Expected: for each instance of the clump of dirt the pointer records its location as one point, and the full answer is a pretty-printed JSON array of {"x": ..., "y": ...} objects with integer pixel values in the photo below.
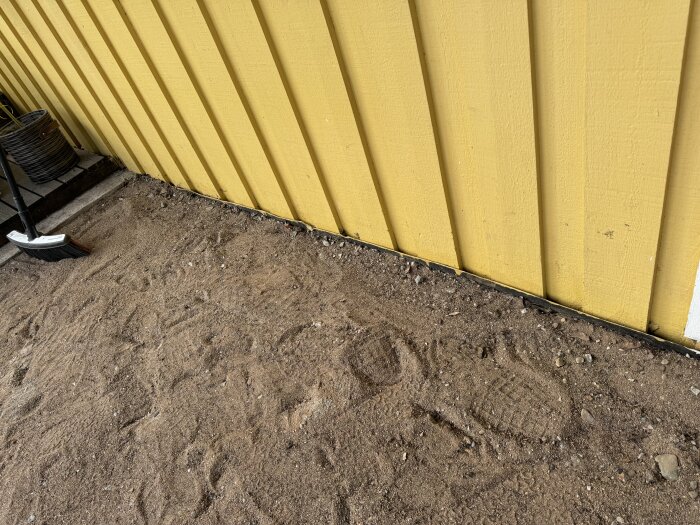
[{"x": 208, "y": 366}]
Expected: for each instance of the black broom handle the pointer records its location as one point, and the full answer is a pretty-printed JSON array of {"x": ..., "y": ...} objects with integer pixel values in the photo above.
[{"x": 22, "y": 211}]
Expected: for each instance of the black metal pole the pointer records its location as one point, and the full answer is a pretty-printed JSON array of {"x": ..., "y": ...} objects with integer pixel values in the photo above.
[{"x": 22, "y": 211}]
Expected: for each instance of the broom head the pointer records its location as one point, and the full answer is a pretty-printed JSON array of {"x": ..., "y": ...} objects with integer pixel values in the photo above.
[{"x": 47, "y": 247}]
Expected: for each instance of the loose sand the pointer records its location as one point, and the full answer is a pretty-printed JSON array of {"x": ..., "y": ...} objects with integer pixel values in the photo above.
[{"x": 207, "y": 366}]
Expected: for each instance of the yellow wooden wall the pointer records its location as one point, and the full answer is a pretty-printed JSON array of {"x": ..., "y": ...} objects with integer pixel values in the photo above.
[{"x": 550, "y": 146}]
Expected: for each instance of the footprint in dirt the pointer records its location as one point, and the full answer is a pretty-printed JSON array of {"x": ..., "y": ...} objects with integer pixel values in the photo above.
[
  {"x": 382, "y": 356},
  {"x": 374, "y": 359},
  {"x": 18, "y": 376},
  {"x": 504, "y": 395}
]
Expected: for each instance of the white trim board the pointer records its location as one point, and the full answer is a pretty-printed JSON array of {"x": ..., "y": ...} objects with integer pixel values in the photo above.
[{"x": 692, "y": 328}]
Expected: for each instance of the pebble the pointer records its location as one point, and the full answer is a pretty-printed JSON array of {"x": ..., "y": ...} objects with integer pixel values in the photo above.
[
  {"x": 664, "y": 362},
  {"x": 559, "y": 362},
  {"x": 587, "y": 416},
  {"x": 695, "y": 390},
  {"x": 693, "y": 485},
  {"x": 580, "y": 360},
  {"x": 693, "y": 494},
  {"x": 418, "y": 279},
  {"x": 588, "y": 358},
  {"x": 325, "y": 243},
  {"x": 668, "y": 466}
]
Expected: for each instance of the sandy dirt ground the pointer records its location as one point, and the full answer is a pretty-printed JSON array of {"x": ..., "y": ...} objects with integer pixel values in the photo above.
[{"x": 208, "y": 366}]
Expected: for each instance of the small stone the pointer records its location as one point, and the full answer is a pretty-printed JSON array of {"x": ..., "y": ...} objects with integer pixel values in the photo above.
[
  {"x": 418, "y": 279},
  {"x": 587, "y": 416},
  {"x": 649, "y": 477},
  {"x": 695, "y": 390},
  {"x": 481, "y": 352},
  {"x": 325, "y": 243},
  {"x": 555, "y": 325},
  {"x": 523, "y": 311},
  {"x": 580, "y": 360},
  {"x": 619, "y": 519},
  {"x": 404, "y": 456},
  {"x": 664, "y": 362},
  {"x": 668, "y": 466},
  {"x": 693, "y": 485},
  {"x": 559, "y": 362},
  {"x": 693, "y": 494},
  {"x": 588, "y": 358}
]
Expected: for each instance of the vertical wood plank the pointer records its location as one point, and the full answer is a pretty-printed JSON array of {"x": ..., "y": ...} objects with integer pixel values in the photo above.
[
  {"x": 247, "y": 49},
  {"x": 242, "y": 127},
  {"x": 38, "y": 83},
  {"x": 53, "y": 30},
  {"x": 158, "y": 47},
  {"x": 679, "y": 241},
  {"x": 478, "y": 57},
  {"x": 125, "y": 44},
  {"x": 60, "y": 13},
  {"x": 634, "y": 55},
  {"x": 33, "y": 39},
  {"x": 90, "y": 30},
  {"x": 188, "y": 20},
  {"x": 15, "y": 79},
  {"x": 379, "y": 46},
  {"x": 231, "y": 183},
  {"x": 307, "y": 55},
  {"x": 10, "y": 86},
  {"x": 558, "y": 36}
]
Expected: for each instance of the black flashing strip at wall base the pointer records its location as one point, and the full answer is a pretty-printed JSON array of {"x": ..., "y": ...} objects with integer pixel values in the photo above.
[{"x": 44, "y": 199}]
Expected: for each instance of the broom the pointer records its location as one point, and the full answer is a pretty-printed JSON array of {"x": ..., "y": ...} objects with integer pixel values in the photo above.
[{"x": 31, "y": 242}]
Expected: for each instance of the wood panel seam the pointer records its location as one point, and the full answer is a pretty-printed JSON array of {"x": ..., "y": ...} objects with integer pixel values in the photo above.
[{"x": 297, "y": 114}]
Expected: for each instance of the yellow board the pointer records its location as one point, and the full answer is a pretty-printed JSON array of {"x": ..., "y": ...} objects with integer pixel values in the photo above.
[
  {"x": 190, "y": 23},
  {"x": 381, "y": 56},
  {"x": 114, "y": 107},
  {"x": 76, "y": 81},
  {"x": 37, "y": 81},
  {"x": 305, "y": 46},
  {"x": 679, "y": 242},
  {"x": 479, "y": 64},
  {"x": 34, "y": 36},
  {"x": 559, "y": 68},
  {"x": 8, "y": 87},
  {"x": 247, "y": 46},
  {"x": 550, "y": 146},
  {"x": 633, "y": 66}
]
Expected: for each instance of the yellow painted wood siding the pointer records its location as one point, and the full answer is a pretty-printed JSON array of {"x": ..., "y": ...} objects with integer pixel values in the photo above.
[{"x": 550, "y": 146}]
